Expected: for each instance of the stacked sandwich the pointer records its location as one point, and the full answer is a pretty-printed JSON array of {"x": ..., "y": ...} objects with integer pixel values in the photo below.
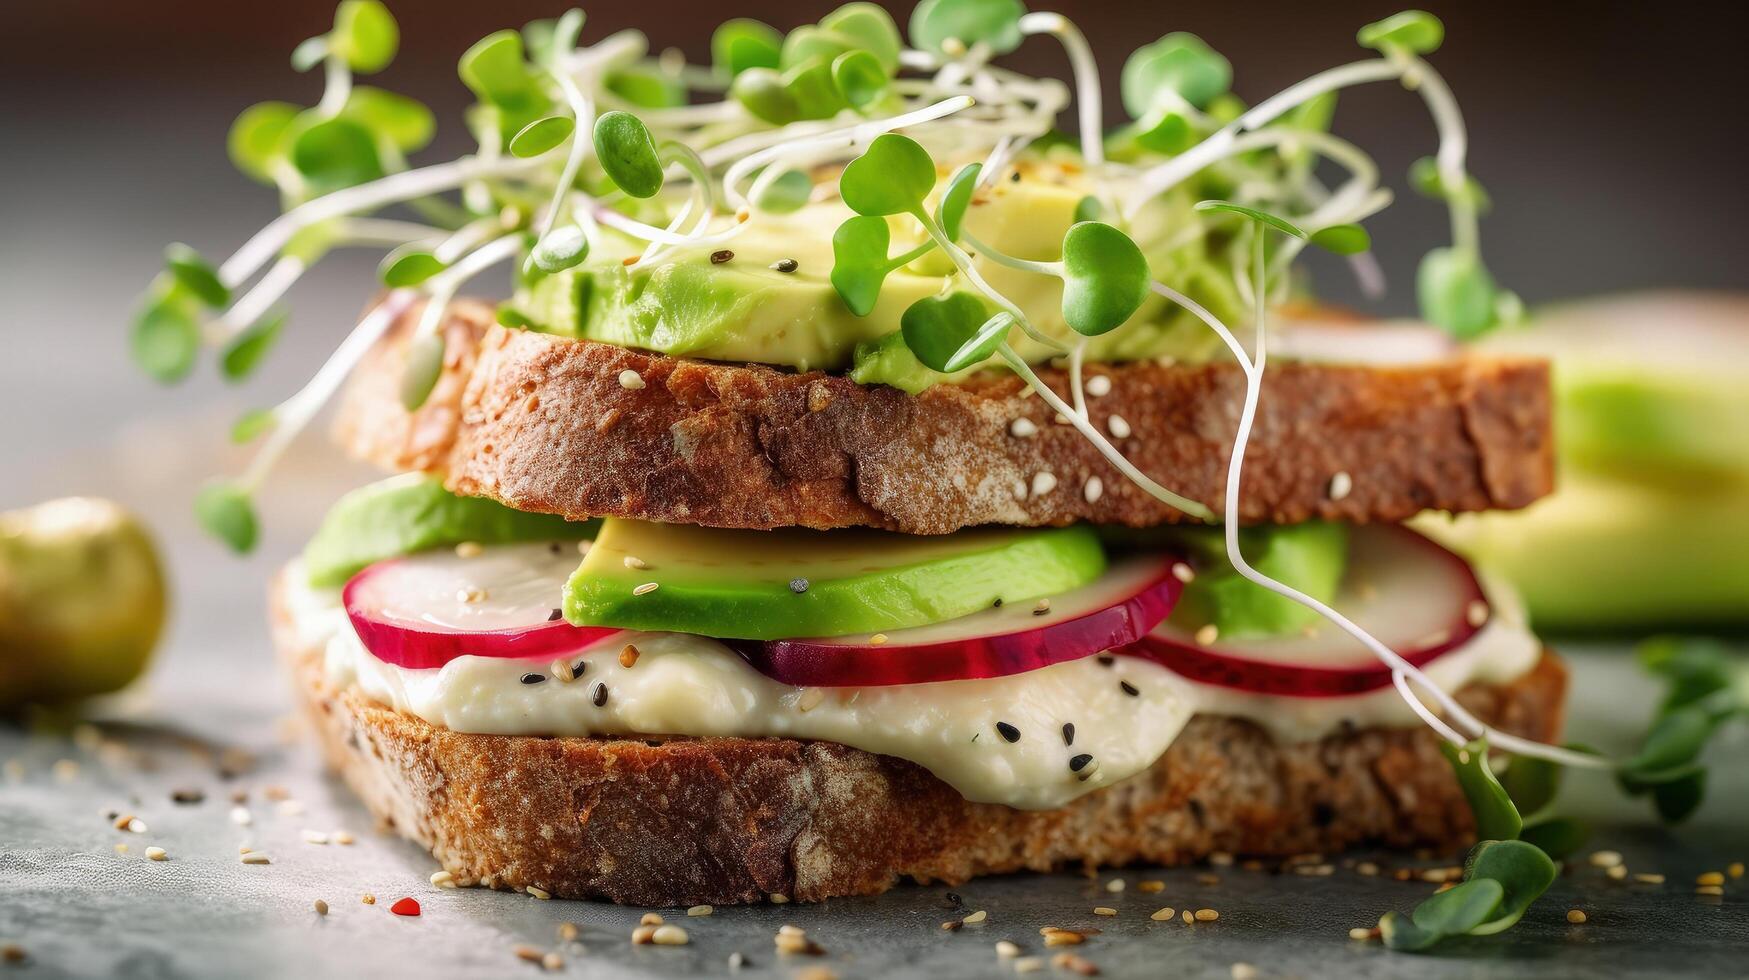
[{"x": 833, "y": 503}]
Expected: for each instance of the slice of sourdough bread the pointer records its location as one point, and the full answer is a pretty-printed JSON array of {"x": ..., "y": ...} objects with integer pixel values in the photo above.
[
  {"x": 683, "y": 821},
  {"x": 585, "y": 429}
]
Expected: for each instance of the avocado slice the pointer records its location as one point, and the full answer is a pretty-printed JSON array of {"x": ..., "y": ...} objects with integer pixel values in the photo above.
[
  {"x": 1310, "y": 557},
  {"x": 411, "y": 513},
  {"x": 771, "y": 585}
]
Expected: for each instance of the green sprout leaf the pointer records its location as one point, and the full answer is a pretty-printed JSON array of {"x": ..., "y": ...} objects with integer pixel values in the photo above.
[
  {"x": 334, "y": 153},
  {"x": 1167, "y": 131},
  {"x": 424, "y": 367},
  {"x": 950, "y": 214},
  {"x": 1523, "y": 871},
  {"x": 892, "y": 176},
  {"x": 408, "y": 265},
  {"x": 867, "y": 27},
  {"x": 744, "y": 43},
  {"x": 245, "y": 353},
  {"x": 1401, "y": 933},
  {"x": 814, "y": 89},
  {"x": 1558, "y": 837},
  {"x": 996, "y": 23},
  {"x": 859, "y": 77},
  {"x": 166, "y": 336},
  {"x": 762, "y": 93},
  {"x": 1227, "y": 207},
  {"x": 1178, "y": 68},
  {"x": 406, "y": 124},
  {"x": 252, "y": 424},
  {"x": 628, "y": 153},
  {"x": 541, "y": 135},
  {"x": 859, "y": 261},
  {"x": 1424, "y": 176},
  {"x": 1342, "y": 239},
  {"x": 789, "y": 192},
  {"x": 365, "y": 35},
  {"x": 1496, "y": 817},
  {"x": 1674, "y": 743},
  {"x": 1456, "y": 292},
  {"x": 1412, "y": 30},
  {"x": 1696, "y": 669},
  {"x": 1531, "y": 782},
  {"x": 647, "y": 86},
  {"x": 495, "y": 71},
  {"x": 1105, "y": 278},
  {"x": 561, "y": 249},
  {"x": 225, "y": 512},
  {"x": 256, "y": 140},
  {"x": 566, "y": 30},
  {"x": 196, "y": 275},
  {"x": 1089, "y": 208},
  {"x": 950, "y": 330},
  {"x": 1460, "y": 908}
]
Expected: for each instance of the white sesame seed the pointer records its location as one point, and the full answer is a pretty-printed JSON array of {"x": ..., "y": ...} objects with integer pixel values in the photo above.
[
  {"x": 136, "y": 826},
  {"x": 1006, "y": 950},
  {"x": 540, "y": 893},
  {"x": 471, "y": 594},
  {"x": 1244, "y": 971},
  {"x": 1093, "y": 490},
  {"x": 698, "y": 910},
  {"x": 1042, "y": 606},
  {"x": 1029, "y": 964},
  {"x": 443, "y": 879},
  {"x": 256, "y": 857},
  {"x": 630, "y": 380},
  {"x": 1060, "y": 419},
  {"x": 342, "y": 837},
  {"x": 1022, "y": 428},
  {"x": 1605, "y": 859},
  {"x": 789, "y": 930},
  {"x": 669, "y": 936},
  {"x": 315, "y": 837},
  {"x": 1118, "y": 427},
  {"x": 810, "y": 699},
  {"x": 1164, "y": 915},
  {"x": 1183, "y": 573},
  {"x": 1360, "y": 933},
  {"x": 157, "y": 854},
  {"x": 1476, "y": 613},
  {"x": 777, "y": 899},
  {"x": 645, "y": 589},
  {"x": 1018, "y": 488},
  {"x": 1104, "y": 910},
  {"x": 651, "y": 919},
  {"x": 1207, "y": 915},
  {"x": 1649, "y": 878},
  {"x": 877, "y": 639},
  {"x": 552, "y": 962},
  {"x": 1099, "y": 385},
  {"x": 976, "y": 917},
  {"x": 737, "y": 961},
  {"x": 1340, "y": 485},
  {"x": 562, "y": 671},
  {"x": 1207, "y": 635},
  {"x": 241, "y": 816},
  {"x": 1043, "y": 482},
  {"x": 584, "y": 545},
  {"x": 469, "y": 549},
  {"x": 632, "y": 561},
  {"x": 643, "y": 935},
  {"x": 1576, "y": 916}
]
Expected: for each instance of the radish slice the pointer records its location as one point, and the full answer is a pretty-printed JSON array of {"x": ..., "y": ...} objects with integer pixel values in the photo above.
[
  {"x": 428, "y": 609},
  {"x": 1130, "y": 599},
  {"x": 1418, "y": 598}
]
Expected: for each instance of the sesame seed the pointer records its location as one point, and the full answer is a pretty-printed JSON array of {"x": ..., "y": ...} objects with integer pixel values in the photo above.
[
  {"x": 785, "y": 265},
  {"x": 631, "y": 561},
  {"x": 1360, "y": 933},
  {"x": 1007, "y": 731},
  {"x": 1079, "y": 762},
  {"x": 1115, "y": 885},
  {"x": 1188, "y": 916},
  {"x": 976, "y": 917},
  {"x": 1207, "y": 635},
  {"x": 742, "y": 214},
  {"x": 632, "y": 260},
  {"x": 789, "y": 930},
  {"x": 1118, "y": 427},
  {"x": 157, "y": 854},
  {"x": 651, "y": 919},
  {"x": 1063, "y": 937},
  {"x": 630, "y": 380},
  {"x": 562, "y": 671},
  {"x": 1022, "y": 428},
  {"x": 645, "y": 589},
  {"x": 1029, "y": 964},
  {"x": 529, "y": 953},
  {"x": 443, "y": 879},
  {"x": 469, "y": 549},
  {"x": 552, "y": 962},
  {"x": 1099, "y": 385},
  {"x": 796, "y": 942},
  {"x": 698, "y": 910},
  {"x": 737, "y": 961},
  {"x": 315, "y": 837},
  {"x": 1221, "y": 859},
  {"x": 533, "y": 678},
  {"x": 1129, "y": 688},
  {"x": 568, "y": 932},
  {"x": 1043, "y": 482},
  {"x": 1341, "y": 485},
  {"x": 1094, "y": 489},
  {"x": 1153, "y": 886},
  {"x": 584, "y": 545},
  {"x": 1068, "y": 733},
  {"x": 241, "y": 816},
  {"x": 1244, "y": 971},
  {"x": 1476, "y": 613},
  {"x": 1164, "y": 914},
  {"x": 628, "y": 657},
  {"x": 777, "y": 899},
  {"x": 798, "y": 585},
  {"x": 877, "y": 639},
  {"x": 1367, "y": 868},
  {"x": 1617, "y": 873},
  {"x": 321, "y": 907},
  {"x": 1648, "y": 878},
  {"x": 1713, "y": 890},
  {"x": 368, "y": 899},
  {"x": 1041, "y": 607},
  {"x": 600, "y": 695},
  {"x": 1006, "y": 950},
  {"x": 1735, "y": 869},
  {"x": 642, "y": 935},
  {"x": 1104, "y": 910},
  {"x": 810, "y": 699},
  {"x": 342, "y": 837},
  {"x": 1710, "y": 878},
  {"x": 1207, "y": 915},
  {"x": 1576, "y": 916},
  {"x": 721, "y": 255},
  {"x": 540, "y": 893},
  {"x": 256, "y": 857},
  {"x": 1605, "y": 859},
  {"x": 953, "y": 925}
]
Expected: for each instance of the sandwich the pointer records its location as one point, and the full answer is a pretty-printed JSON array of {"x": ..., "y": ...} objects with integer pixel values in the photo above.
[{"x": 866, "y": 481}]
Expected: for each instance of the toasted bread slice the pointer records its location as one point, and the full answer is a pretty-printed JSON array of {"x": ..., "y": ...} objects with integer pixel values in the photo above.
[
  {"x": 545, "y": 424},
  {"x": 682, "y": 821}
]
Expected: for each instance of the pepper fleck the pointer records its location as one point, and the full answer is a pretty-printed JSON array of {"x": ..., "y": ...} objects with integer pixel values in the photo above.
[
  {"x": 721, "y": 255},
  {"x": 600, "y": 695},
  {"x": 1008, "y": 731},
  {"x": 533, "y": 678},
  {"x": 1079, "y": 762},
  {"x": 786, "y": 265},
  {"x": 1068, "y": 733},
  {"x": 1014, "y": 178},
  {"x": 1129, "y": 688},
  {"x": 998, "y": 603},
  {"x": 555, "y": 615},
  {"x": 798, "y": 585},
  {"x": 1106, "y": 660}
]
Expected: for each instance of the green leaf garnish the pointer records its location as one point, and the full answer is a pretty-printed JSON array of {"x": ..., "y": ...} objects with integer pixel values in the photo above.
[
  {"x": 866, "y": 27},
  {"x": 813, "y": 88},
  {"x": 245, "y": 352},
  {"x": 995, "y": 23},
  {"x": 251, "y": 424},
  {"x": 1178, "y": 68},
  {"x": 166, "y": 336},
  {"x": 408, "y": 265},
  {"x": 1167, "y": 131},
  {"x": 950, "y": 214},
  {"x": 892, "y": 176},
  {"x": 859, "y": 261},
  {"x": 1105, "y": 278},
  {"x": 561, "y": 249},
  {"x": 1522, "y": 870},
  {"x": 256, "y": 139},
  {"x": 1496, "y": 817},
  {"x": 1425, "y": 177},
  {"x": 1089, "y": 208},
  {"x": 225, "y": 512},
  {"x": 1456, "y": 292},
  {"x": 1501, "y": 880},
  {"x": 195, "y": 275},
  {"x": 628, "y": 153},
  {"x": 1460, "y": 908},
  {"x": 1412, "y": 30},
  {"x": 334, "y": 153},
  {"x": 744, "y": 43},
  {"x": 1342, "y": 239},
  {"x": 542, "y": 135},
  {"x": 1401, "y": 933},
  {"x": 365, "y": 35},
  {"x": 761, "y": 92},
  {"x": 646, "y": 86},
  {"x": 424, "y": 367},
  {"x": 403, "y": 123},
  {"x": 1531, "y": 782},
  {"x": 1279, "y": 224},
  {"x": 1558, "y": 837},
  {"x": 948, "y": 333},
  {"x": 859, "y": 77},
  {"x": 789, "y": 192}
]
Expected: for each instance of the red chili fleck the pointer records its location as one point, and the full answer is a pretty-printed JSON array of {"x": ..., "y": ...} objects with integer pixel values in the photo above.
[{"x": 405, "y": 906}]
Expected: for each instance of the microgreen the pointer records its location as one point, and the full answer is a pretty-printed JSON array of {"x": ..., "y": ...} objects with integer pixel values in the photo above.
[
  {"x": 1105, "y": 278},
  {"x": 1530, "y": 783},
  {"x": 1179, "y": 69},
  {"x": 952, "y": 332},
  {"x": 859, "y": 261},
  {"x": 560, "y": 249},
  {"x": 993, "y": 23},
  {"x": 1522, "y": 870},
  {"x": 1411, "y": 30},
  {"x": 789, "y": 191},
  {"x": 860, "y": 77},
  {"x": 365, "y": 35},
  {"x": 225, "y": 511},
  {"x": 1459, "y": 909},
  {"x": 1496, "y": 816},
  {"x": 628, "y": 153},
  {"x": 1347, "y": 239},
  {"x": 1089, "y": 208},
  {"x": 1425, "y": 177},
  {"x": 951, "y": 212},
  {"x": 195, "y": 275},
  {"x": 542, "y": 135},
  {"x": 251, "y": 425},
  {"x": 1501, "y": 880},
  {"x": 333, "y": 153},
  {"x": 867, "y": 27},
  {"x": 1456, "y": 292},
  {"x": 892, "y": 176},
  {"x": 409, "y": 265},
  {"x": 1558, "y": 837},
  {"x": 255, "y": 138},
  {"x": 245, "y": 353},
  {"x": 394, "y": 119},
  {"x": 762, "y": 93},
  {"x": 509, "y": 89},
  {"x": 743, "y": 43},
  {"x": 646, "y": 86},
  {"x": 166, "y": 335},
  {"x": 1264, "y": 217},
  {"x": 424, "y": 366}
]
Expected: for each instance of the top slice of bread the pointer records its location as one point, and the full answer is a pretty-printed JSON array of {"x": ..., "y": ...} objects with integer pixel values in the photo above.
[{"x": 555, "y": 425}]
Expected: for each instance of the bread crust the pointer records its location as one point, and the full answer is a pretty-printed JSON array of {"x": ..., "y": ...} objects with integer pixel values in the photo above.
[
  {"x": 683, "y": 821},
  {"x": 544, "y": 424}
]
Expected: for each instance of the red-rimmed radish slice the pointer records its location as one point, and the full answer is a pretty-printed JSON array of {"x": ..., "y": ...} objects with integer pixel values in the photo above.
[
  {"x": 1131, "y": 598},
  {"x": 1413, "y": 595},
  {"x": 428, "y": 609}
]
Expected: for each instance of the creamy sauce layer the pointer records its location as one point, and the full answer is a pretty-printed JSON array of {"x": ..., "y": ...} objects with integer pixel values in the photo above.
[{"x": 690, "y": 685}]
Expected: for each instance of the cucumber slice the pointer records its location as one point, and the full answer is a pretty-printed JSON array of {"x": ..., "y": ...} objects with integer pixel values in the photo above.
[
  {"x": 771, "y": 585},
  {"x": 411, "y": 513}
]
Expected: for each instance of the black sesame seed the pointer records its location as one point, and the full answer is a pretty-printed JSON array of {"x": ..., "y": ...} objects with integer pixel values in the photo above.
[
  {"x": 1079, "y": 762},
  {"x": 1008, "y": 731},
  {"x": 955, "y": 899},
  {"x": 578, "y": 668},
  {"x": 555, "y": 615},
  {"x": 1106, "y": 660},
  {"x": 1068, "y": 733},
  {"x": 721, "y": 255},
  {"x": 998, "y": 603},
  {"x": 533, "y": 678},
  {"x": 555, "y": 547},
  {"x": 1129, "y": 688},
  {"x": 798, "y": 585},
  {"x": 1014, "y": 178},
  {"x": 185, "y": 796},
  {"x": 786, "y": 265},
  {"x": 600, "y": 696}
]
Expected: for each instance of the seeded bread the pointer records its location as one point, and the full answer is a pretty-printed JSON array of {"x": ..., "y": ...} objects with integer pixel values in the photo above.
[
  {"x": 545, "y": 424},
  {"x": 682, "y": 821}
]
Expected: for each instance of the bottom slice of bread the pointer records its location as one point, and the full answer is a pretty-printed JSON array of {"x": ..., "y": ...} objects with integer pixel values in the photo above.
[{"x": 683, "y": 821}]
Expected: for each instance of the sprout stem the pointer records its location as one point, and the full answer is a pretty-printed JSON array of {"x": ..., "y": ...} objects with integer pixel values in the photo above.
[
  {"x": 1086, "y": 68},
  {"x": 256, "y": 302},
  {"x": 337, "y": 86},
  {"x": 963, "y": 262}
]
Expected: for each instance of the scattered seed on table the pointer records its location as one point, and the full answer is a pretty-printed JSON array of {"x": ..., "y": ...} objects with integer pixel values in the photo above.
[
  {"x": 537, "y": 892},
  {"x": 1576, "y": 916},
  {"x": 976, "y": 917},
  {"x": 1164, "y": 915},
  {"x": 157, "y": 854}
]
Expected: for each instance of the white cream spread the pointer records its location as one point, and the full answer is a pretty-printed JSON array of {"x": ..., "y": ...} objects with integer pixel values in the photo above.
[{"x": 690, "y": 685}]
